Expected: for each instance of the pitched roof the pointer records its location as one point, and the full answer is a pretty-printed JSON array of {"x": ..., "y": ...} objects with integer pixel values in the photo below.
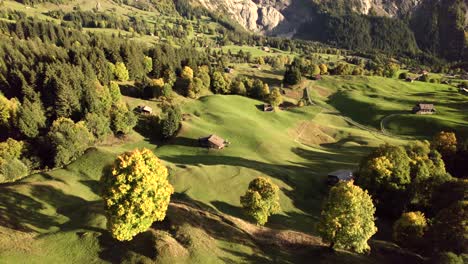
[
  {"x": 426, "y": 106},
  {"x": 342, "y": 175},
  {"x": 214, "y": 139},
  {"x": 147, "y": 108}
]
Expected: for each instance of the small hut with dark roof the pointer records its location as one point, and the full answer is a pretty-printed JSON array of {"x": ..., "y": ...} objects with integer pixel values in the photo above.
[
  {"x": 212, "y": 141},
  {"x": 340, "y": 176},
  {"x": 424, "y": 109}
]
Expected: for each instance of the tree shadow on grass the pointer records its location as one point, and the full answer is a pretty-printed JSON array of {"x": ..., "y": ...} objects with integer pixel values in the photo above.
[
  {"x": 21, "y": 212},
  {"x": 231, "y": 210},
  {"x": 81, "y": 213}
]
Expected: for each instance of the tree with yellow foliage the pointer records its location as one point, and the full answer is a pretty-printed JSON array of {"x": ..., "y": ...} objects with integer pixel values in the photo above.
[
  {"x": 409, "y": 229},
  {"x": 445, "y": 143},
  {"x": 136, "y": 193},
  {"x": 187, "y": 73},
  {"x": 347, "y": 218},
  {"x": 261, "y": 200}
]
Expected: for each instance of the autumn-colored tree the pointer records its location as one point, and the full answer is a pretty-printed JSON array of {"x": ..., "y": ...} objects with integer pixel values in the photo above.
[
  {"x": 8, "y": 110},
  {"x": 409, "y": 229},
  {"x": 238, "y": 87},
  {"x": 187, "y": 73},
  {"x": 385, "y": 173},
  {"x": 447, "y": 258},
  {"x": 323, "y": 69},
  {"x": 121, "y": 72},
  {"x": 136, "y": 193},
  {"x": 261, "y": 200},
  {"x": 445, "y": 143},
  {"x": 347, "y": 218},
  {"x": 315, "y": 69},
  {"x": 275, "y": 97}
]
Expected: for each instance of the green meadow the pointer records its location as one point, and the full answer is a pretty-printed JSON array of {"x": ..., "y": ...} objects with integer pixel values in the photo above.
[{"x": 60, "y": 213}]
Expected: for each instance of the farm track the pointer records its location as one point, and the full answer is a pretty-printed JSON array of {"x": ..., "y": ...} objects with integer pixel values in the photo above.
[{"x": 376, "y": 133}]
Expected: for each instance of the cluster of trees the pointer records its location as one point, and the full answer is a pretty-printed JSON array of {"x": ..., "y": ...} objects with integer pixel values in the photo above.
[
  {"x": 58, "y": 89},
  {"x": 92, "y": 19},
  {"x": 412, "y": 181},
  {"x": 302, "y": 67}
]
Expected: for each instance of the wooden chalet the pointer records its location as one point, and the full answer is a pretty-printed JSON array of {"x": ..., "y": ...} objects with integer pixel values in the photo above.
[
  {"x": 424, "y": 109},
  {"x": 340, "y": 176},
  {"x": 268, "y": 108},
  {"x": 144, "y": 109},
  {"x": 213, "y": 142},
  {"x": 228, "y": 70}
]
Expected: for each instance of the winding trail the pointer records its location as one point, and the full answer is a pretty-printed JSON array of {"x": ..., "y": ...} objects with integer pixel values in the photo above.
[{"x": 375, "y": 132}]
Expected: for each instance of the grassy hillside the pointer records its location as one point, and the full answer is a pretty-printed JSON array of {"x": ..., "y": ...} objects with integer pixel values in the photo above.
[
  {"x": 368, "y": 100},
  {"x": 58, "y": 216}
]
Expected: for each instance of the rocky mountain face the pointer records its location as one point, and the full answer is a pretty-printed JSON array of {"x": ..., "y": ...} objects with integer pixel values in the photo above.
[{"x": 282, "y": 17}]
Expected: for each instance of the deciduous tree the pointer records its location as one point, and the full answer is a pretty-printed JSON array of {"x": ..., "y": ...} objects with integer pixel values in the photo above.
[
  {"x": 275, "y": 97},
  {"x": 409, "y": 229},
  {"x": 261, "y": 200},
  {"x": 68, "y": 140},
  {"x": 347, "y": 218},
  {"x": 121, "y": 72},
  {"x": 136, "y": 193}
]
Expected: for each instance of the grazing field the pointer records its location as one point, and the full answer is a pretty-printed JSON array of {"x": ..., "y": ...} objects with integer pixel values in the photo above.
[
  {"x": 368, "y": 100},
  {"x": 271, "y": 144}
]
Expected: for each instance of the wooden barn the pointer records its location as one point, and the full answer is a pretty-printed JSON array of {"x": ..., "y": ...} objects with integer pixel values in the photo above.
[
  {"x": 144, "y": 109},
  {"x": 424, "y": 109},
  {"x": 213, "y": 142},
  {"x": 340, "y": 176},
  {"x": 268, "y": 108}
]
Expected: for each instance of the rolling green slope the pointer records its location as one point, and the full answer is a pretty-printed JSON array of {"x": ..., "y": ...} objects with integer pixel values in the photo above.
[
  {"x": 57, "y": 216},
  {"x": 368, "y": 100}
]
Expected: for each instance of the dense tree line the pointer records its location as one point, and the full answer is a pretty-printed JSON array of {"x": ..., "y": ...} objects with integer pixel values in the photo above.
[
  {"x": 359, "y": 32},
  {"x": 412, "y": 181},
  {"x": 439, "y": 27}
]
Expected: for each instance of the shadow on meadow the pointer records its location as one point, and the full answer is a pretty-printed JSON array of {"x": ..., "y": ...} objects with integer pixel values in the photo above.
[{"x": 21, "y": 212}]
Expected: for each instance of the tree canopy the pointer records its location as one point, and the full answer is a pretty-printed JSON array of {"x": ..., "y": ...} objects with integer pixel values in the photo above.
[
  {"x": 347, "y": 218},
  {"x": 136, "y": 193},
  {"x": 261, "y": 200}
]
